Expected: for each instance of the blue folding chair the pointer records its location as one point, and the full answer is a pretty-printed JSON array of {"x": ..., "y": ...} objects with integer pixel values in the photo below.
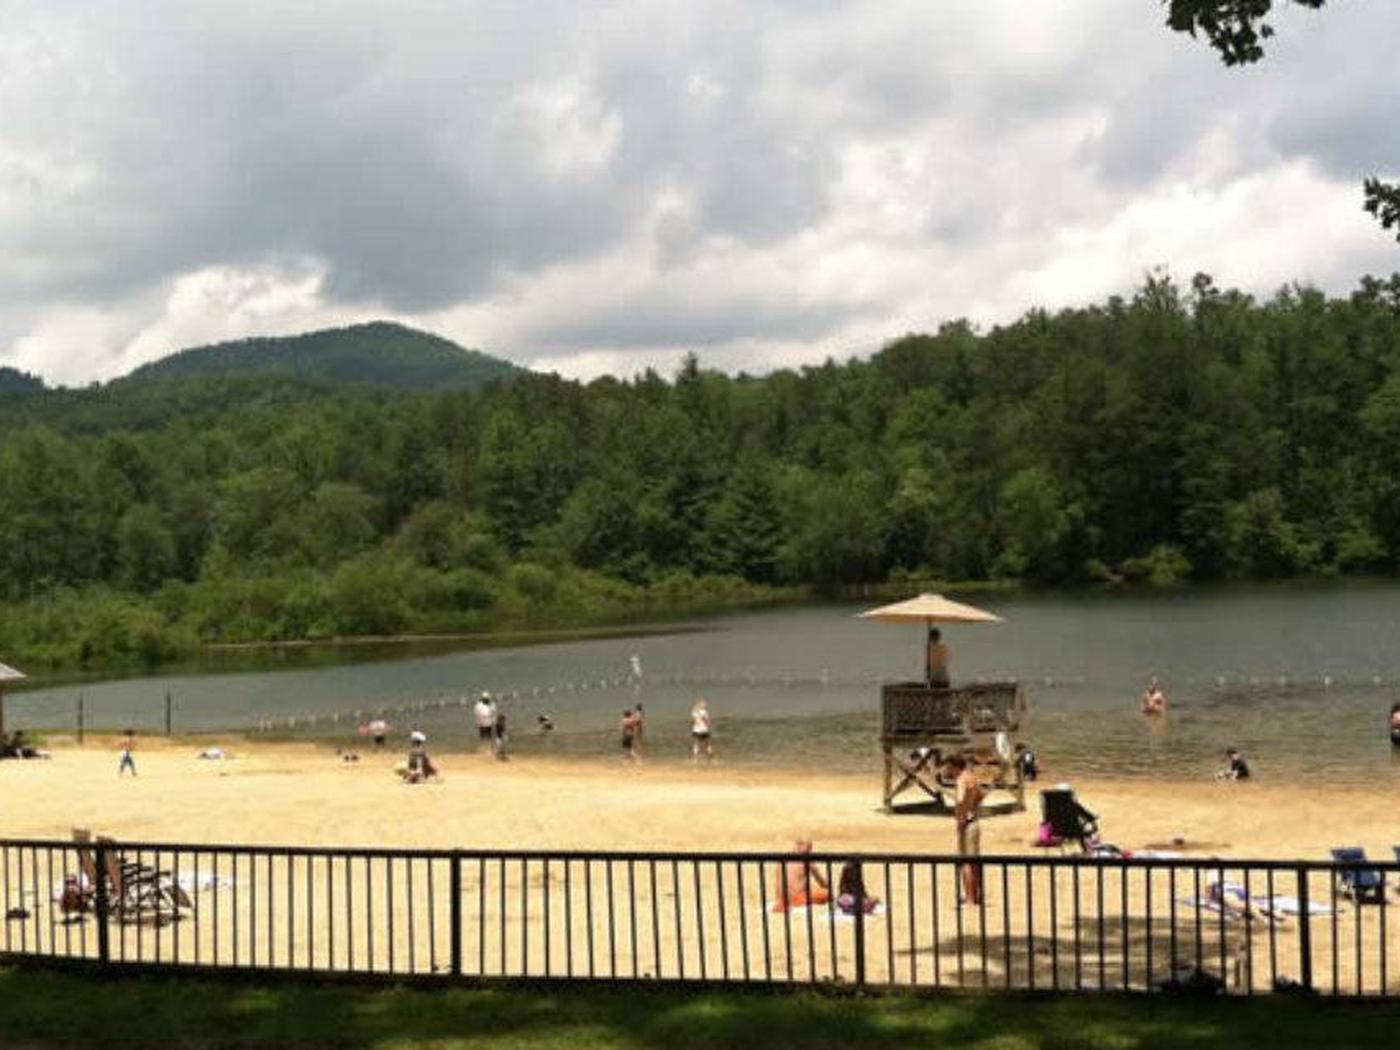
[{"x": 1360, "y": 884}]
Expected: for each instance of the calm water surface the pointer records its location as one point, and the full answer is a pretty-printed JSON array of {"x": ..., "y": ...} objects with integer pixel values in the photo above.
[{"x": 1300, "y": 677}]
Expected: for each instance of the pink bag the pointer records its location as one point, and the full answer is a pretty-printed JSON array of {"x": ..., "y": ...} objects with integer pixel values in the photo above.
[{"x": 1045, "y": 835}]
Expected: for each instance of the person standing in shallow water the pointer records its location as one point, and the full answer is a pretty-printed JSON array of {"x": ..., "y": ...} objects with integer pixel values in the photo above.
[
  {"x": 128, "y": 761},
  {"x": 700, "y": 731},
  {"x": 937, "y": 660},
  {"x": 630, "y": 727}
]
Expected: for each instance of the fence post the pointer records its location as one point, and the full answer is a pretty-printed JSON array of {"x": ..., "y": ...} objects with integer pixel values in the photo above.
[
  {"x": 1304, "y": 931},
  {"x": 168, "y": 704},
  {"x": 860, "y": 925},
  {"x": 102, "y": 904},
  {"x": 455, "y": 911}
]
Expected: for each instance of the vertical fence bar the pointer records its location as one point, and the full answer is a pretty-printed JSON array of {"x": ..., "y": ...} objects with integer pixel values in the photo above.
[
  {"x": 655, "y": 922},
  {"x": 937, "y": 933},
  {"x": 763, "y": 911},
  {"x": 676, "y": 908},
  {"x": 548, "y": 972},
  {"x": 103, "y": 904},
  {"x": 860, "y": 925},
  {"x": 1305, "y": 972},
  {"x": 454, "y": 908},
  {"x": 568, "y": 918}
]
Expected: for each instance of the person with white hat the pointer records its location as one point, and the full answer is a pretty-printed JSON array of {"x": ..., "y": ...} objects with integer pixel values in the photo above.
[
  {"x": 419, "y": 767},
  {"x": 484, "y": 714}
]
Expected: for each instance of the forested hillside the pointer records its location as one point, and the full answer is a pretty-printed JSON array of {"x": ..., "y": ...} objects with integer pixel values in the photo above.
[
  {"x": 1182, "y": 433},
  {"x": 379, "y": 353}
]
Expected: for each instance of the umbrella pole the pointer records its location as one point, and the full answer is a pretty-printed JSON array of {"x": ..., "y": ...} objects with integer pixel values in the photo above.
[{"x": 928, "y": 666}]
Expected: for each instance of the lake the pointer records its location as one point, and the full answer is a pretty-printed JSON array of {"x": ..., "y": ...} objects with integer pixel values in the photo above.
[{"x": 1301, "y": 677}]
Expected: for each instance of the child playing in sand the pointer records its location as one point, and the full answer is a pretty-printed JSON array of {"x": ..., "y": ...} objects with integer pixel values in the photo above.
[{"x": 127, "y": 763}]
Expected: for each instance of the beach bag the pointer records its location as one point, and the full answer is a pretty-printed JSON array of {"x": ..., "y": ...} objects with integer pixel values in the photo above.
[{"x": 1045, "y": 835}]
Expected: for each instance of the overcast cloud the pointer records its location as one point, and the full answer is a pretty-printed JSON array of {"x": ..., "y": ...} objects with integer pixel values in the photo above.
[{"x": 600, "y": 187}]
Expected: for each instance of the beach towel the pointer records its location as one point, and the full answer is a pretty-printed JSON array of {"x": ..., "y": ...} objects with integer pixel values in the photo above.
[
  {"x": 204, "y": 880},
  {"x": 1279, "y": 905}
]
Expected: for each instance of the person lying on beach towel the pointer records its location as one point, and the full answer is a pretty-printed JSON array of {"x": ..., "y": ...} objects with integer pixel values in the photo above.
[
  {"x": 799, "y": 884},
  {"x": 1230, "y": 897}
]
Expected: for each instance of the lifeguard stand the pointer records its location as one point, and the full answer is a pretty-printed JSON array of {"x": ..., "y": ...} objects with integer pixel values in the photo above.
[{"x": 921, "y": 726}]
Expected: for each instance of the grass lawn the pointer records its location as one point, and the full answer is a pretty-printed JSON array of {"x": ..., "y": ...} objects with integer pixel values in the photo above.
[{"x": 72, "y": 1010}]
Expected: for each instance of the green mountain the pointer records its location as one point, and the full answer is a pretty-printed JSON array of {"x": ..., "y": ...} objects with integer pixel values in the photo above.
[
  {"x": 13, "y": 381},
  {"x": 379, "y": 353}
]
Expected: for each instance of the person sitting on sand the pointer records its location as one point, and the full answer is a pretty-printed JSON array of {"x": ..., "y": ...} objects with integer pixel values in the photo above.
[
  {"x": 800, "y": 885},
  {"x": 1154, "y": 701},
  {"x": 420, "y": 767},
  {"x": 1236, "y": 769},
  {"x": 850, "y": 888}
]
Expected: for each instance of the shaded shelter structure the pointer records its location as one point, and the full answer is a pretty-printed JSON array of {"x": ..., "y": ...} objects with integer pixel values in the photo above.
[
  {"x": 8, "y": 675},
  {"x": 922, "y": 724}
]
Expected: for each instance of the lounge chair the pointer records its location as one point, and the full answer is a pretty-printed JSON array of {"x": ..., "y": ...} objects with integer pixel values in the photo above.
[
  {"x": 1069, "y": 821},
  {"x": 135, "y": 892},
  {"x": 1360, "y": 884}
]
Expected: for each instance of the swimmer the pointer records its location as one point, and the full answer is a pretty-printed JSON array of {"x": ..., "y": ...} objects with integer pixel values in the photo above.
[
  {"x": 544, "y": 723},
  {"x": 1154, "y": 701}
]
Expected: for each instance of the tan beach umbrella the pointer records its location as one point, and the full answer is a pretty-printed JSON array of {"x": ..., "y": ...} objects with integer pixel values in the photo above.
[
  {"x": 7, "y": 675},
  {"x": 929, "y": 609}
]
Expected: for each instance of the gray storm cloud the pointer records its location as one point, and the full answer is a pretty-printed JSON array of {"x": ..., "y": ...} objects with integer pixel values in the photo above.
[{"x": 606, "y": 186}]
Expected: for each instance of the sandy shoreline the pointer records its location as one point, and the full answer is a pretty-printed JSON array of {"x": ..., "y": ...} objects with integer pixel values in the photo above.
[{"x": 303, "y": 794}]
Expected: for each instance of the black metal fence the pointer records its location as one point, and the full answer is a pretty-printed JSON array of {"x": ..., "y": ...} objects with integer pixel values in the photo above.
[{"x": 1040, "y": 922}]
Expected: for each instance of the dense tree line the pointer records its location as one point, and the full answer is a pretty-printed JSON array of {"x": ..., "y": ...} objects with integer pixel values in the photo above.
[{"x": 1185, "y": 432}]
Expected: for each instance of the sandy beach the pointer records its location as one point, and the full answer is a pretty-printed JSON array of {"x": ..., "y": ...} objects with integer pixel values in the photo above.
[
  {"x": 303, "y": 794},
  {"x": 1103, "y": 925}
]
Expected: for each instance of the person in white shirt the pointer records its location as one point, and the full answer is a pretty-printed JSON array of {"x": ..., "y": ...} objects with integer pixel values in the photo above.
[
  {"x": 700, "y": 730},
  {"x": 484, "y": 714}
]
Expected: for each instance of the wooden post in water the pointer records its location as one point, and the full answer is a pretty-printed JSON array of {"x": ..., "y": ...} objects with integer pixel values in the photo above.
[
  {"x": 168, "y": 705},
  {"x": 81, "y": 719}
]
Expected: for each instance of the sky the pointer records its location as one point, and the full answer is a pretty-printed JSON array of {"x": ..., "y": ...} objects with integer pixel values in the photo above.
[{"x": 600, "y": 187}]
